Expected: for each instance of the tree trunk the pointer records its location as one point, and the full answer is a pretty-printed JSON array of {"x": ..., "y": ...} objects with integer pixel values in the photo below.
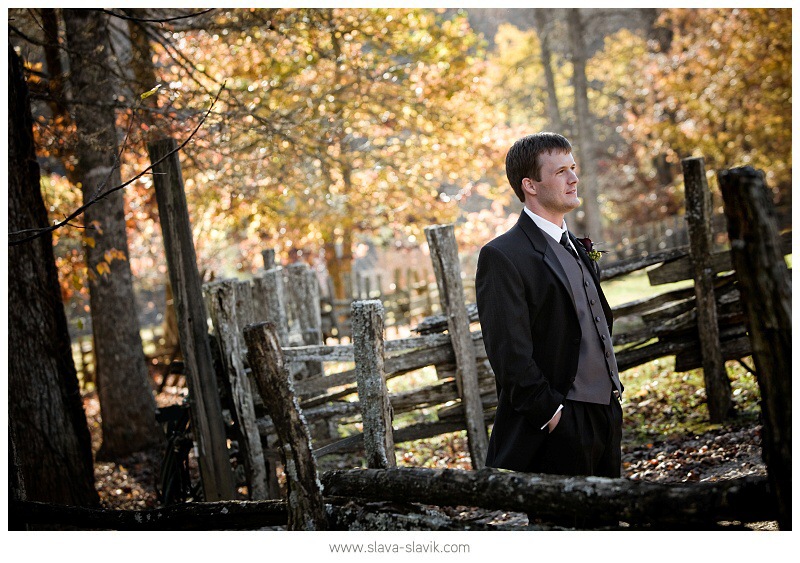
[
  {"x": 144, "y": 79},
  {"x": 592, "y": 225},
  {"x": 126, "y": 399},
  {"x": 553, "y": 112},
  {"x": 339, "y": 263},
  {"x": 52, "y": 451},
  {"x": 55, "y": 70},
  {"x": 141, "y": 61}
]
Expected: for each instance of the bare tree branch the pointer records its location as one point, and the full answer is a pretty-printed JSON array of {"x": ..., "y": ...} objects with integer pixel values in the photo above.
[
  {"x": 36, "y": 233},
  {"x": 156, "y": 20}
]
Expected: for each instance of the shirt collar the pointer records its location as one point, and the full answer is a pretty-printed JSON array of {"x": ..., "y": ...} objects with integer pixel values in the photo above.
[{"x": 550, "y": 228}]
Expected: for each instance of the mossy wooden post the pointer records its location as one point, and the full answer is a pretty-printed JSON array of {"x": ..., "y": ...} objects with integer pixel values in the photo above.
[
  {"x": 304, "y": 293},
  {"x": 698, "y": 221},
  {"x": 305, "y": 503},
  {"x": 207, "y": 421},
  {"x": 376, "y": 410},
  {"x": 270, "y": 301},
  {"x": 222, "y": 297},
  {"x": 444, "y": 256},
  {"x": 766, "y": 294}
]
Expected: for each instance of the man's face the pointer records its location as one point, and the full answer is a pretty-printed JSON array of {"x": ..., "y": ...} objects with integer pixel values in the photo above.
[{"x": 557, "y": 192}]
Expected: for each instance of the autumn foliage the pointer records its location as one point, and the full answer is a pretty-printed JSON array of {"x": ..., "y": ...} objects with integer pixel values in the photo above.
[{"x": 341, "y": 125}]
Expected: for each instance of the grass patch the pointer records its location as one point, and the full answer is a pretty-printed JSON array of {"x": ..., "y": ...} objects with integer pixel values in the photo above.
[
  {"x": 636, "y": 286},
  {"x": 660, "y": 403}
]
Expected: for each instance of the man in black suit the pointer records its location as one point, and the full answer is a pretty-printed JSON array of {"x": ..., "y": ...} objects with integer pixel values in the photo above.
[{"x": 547, "y": 327}]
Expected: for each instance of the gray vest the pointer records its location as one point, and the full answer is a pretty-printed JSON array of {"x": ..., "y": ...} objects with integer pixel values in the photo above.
[{"x": 597, "y": 373}]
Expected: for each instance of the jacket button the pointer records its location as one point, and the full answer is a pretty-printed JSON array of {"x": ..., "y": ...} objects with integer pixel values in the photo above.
[
  {"x": 608, "y": 354},
  {"x": 592, "y": 302},
  {"x": 597, "y": 319}
]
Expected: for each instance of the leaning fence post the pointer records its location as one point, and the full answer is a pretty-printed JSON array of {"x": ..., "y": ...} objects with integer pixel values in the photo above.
[
  {"x": 269, "y": 304},
  {"x": 765, "y": 290},
  {"x": 222, "y": 297},
  {"x": 444, "y": 255},
  {"x": 698, "y": 219},
  {"x": 176, "y": 229},
  {"x": 376, "y": 410},
  {"x": 306, "y": 506}
]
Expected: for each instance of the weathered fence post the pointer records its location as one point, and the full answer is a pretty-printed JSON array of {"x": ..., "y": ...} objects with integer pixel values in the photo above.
[
  {"x": 245, "y": 313},
  {"x": 222, "y": 297},
  {"x": 305, "y": 503},
  {"x": 376, "y": 410},
  {"x": 698, "y": 219},
  {"x": 304, "y": 293},
  {"x": 270, "y": 301},
  {"x": 444, "y": 255},
  {"x": 766, "y": 295},
  {"x": 209, "y": 428},
  {"x": 268, "y": 254}
]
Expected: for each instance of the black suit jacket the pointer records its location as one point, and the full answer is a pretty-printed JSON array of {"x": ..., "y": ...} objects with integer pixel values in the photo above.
[{"x": 532, "y": 336}]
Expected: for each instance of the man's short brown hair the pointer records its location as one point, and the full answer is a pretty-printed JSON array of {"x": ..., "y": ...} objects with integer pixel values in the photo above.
[{"x": 522, "y": 160}]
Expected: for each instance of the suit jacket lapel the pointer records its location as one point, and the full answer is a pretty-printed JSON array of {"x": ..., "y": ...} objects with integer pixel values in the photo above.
[{"x": 536, "y": 237}]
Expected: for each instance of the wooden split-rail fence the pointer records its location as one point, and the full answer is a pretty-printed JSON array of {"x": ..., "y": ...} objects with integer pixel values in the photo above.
[
  {"x": 286, "y": 362},
  {"x": 665, "y": 325}
]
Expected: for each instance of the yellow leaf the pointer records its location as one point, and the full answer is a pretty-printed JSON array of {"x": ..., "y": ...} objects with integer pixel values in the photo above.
[
  {"x": 103, "y": 268},
  {"x": 89, "y": 241},
  {"x": 150, "y": 92}
]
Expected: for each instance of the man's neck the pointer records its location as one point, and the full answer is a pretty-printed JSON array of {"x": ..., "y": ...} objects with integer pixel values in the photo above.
[{"x": 554, "y": 218}]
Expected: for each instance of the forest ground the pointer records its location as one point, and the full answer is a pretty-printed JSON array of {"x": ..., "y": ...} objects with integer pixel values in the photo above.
[{"x": 665, "y": 439}]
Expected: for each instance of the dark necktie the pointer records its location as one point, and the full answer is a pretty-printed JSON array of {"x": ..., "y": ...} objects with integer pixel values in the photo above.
[{"x": 565, "y": 243}]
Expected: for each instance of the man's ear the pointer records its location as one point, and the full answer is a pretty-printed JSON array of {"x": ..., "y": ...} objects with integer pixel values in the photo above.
[{"x": 528, "y": 187}]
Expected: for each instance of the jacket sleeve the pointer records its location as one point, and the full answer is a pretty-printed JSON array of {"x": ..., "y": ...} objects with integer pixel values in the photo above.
[{"x": 505, "y": 315}]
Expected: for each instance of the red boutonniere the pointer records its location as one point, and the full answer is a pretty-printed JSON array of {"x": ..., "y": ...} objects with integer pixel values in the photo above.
[{"x": 593, "y": 253}]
